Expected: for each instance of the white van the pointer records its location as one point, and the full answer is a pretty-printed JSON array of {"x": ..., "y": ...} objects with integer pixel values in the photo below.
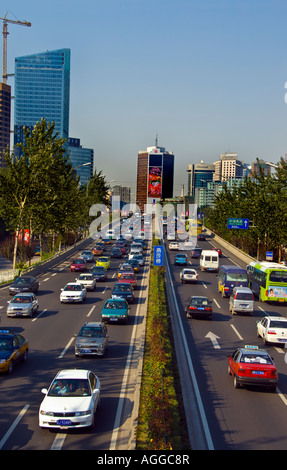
[{"x": 209, "y": 260}]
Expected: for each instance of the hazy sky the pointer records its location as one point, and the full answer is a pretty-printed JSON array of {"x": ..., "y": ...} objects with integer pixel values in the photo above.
[{"x": 206, "y": 76}]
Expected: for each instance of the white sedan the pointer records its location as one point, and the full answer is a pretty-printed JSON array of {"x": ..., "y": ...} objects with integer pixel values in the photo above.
[
  {"x": 273, "y": 330},
  {"x": 173, "y": 246},
  {"x": 188, "y": 275},
  {"x": 87, "y": 280},
  {"x": 71, "y": 400},
  {"x": 73, "y": 292}
]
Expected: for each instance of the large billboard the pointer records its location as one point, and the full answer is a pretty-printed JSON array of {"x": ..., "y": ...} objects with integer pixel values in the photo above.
[{"x": 155, "y": 181}]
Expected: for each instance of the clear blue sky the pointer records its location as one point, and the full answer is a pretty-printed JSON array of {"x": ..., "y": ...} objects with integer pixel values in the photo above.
[{"x": 206, "y": 76}]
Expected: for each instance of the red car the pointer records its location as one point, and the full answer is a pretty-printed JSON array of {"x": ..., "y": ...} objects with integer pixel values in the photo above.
[
  {"x": 218, "y": 251},
  {"x": 252, "y": 366},
  {"x": 122, "y": 247},
  {"x": 79, "y": 265},
  {"x": 130, "y": 278}
]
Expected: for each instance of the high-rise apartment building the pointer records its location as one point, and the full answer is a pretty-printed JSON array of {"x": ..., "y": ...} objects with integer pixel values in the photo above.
[
  {"x": 155, "y": 172},
  {"x": 227, "y": 167},
  {"x": 42, "y": 90},
  {"x": 5, "y": 120},
  {"x": 82, "y": 160}
]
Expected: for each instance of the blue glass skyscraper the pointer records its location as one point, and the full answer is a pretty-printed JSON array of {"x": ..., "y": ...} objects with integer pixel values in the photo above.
[{"x": 42, "y": 90}]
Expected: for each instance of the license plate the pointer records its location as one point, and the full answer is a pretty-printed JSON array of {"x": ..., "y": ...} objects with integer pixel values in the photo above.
[
  {"x": 64, "y": 422},
  {"x": 200, "y": 308},
  {"x": 243, "y": 305},
  {"x": 258, "y": 372},
  {"x": 86, "y": 350},
  {"x": 283, "y": 340}
]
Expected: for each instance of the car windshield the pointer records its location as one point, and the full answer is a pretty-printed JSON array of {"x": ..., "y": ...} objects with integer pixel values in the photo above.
[
  {"x": 103, "y": 260},
  {"x": 86, "y": 253},
  {"x": 92, "y": 332},
  {"x": 21, "y": 300},
  {"x": 99, "y": 269},
  {"x": 79, "y": 261},
  {"x": 85, "y": 277},
  {"x": 278, "y": 324},
  {"x": 21, "y": 280},
  {"x": 256, "y": 359},
  {"x": 199, "y": 301},
  {"x": 6, "y": 344},
  {"x": 122, "y": 288},
  {"x": 236, "y": 277},
  {"x": 115, "y": 305},
  {"x": 69, "y": 388},
  {"x": 73, "y": 287}
]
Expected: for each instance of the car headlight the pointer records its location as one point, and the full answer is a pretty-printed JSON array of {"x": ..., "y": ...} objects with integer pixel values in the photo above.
[
  {"x": 83, "y": 413},
  {"x": 46, "y": 413},
  {"x": 2, "y": 361}
]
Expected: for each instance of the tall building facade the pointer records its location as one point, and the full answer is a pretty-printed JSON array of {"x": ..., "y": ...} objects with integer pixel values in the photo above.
[
  {"x": 155, "y": 175},
  {"x": 5, "y": 120},
  {"x": 42, "y": 90},
  {"x": 82, "y": 160},
  {"x": 228, "y": 167},
  {"x": 198, "y": 175}
]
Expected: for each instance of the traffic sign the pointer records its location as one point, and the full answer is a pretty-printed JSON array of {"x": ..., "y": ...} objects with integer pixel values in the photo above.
[
  {"x": 237, "y": 223},
  {"x": 158, "y": 256}
]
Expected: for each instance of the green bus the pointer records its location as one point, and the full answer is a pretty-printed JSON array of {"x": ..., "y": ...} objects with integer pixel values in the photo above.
[{"x": 268, "y": 280}]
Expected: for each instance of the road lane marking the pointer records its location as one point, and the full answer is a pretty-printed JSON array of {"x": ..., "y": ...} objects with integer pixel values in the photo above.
[
  {"x": 11, "y": 429},
  {"x": 91, "y": 310},
  {"x": 213, "y": 338},
  {"x": 236, "y": 332},
  {"x": 40, "y": 314},
  {"x": 66, "y": 348},
  {"x": 214, "y": 300},
  {"x": 58, "y": 441}
]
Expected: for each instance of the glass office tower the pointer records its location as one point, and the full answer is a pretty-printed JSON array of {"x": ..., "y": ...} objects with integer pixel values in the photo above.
[
  {"x": 82, "y": 160},
  {"x": 42, "y": 90}
]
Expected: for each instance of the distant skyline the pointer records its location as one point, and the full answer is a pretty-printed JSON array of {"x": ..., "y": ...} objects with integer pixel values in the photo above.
[{"x": 206, "y": 77}]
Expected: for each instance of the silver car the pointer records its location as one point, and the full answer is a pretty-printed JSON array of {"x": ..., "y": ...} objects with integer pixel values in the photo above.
[
  {"x": 24, "y": 304},
  {"x": 241, "y": 300},
  {"x": 88, "y": 256},
  {"x": 92, "y": 340}
]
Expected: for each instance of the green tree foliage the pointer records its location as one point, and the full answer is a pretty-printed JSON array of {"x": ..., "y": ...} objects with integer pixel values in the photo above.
[
  {"x": 263, "y": 200},
  {"x": 39, "y": 189}
]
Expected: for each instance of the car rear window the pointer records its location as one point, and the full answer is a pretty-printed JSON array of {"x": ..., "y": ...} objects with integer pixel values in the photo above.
[{"x": 244, "y": 296}]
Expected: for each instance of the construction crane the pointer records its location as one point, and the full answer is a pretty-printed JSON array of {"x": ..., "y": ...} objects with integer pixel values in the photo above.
[{"x": 5, "y": 34}]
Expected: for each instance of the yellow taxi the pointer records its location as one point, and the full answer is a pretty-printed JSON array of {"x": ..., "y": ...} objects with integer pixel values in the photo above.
[
  {"x": 13, "y": 349},
  {"x": 103, "y": 261}
]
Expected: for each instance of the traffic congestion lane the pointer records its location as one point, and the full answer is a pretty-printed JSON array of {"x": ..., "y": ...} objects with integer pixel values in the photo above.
[
  {"x": 210, "y": 342},
  {"x": 59, "y": 323}
]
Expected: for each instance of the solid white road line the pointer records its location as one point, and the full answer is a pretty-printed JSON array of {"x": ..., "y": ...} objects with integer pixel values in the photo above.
[{"x": 11, "y": 429}]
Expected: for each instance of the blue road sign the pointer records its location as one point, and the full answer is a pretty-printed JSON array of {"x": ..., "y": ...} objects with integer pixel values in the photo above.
[
  {"x": 158, "y": 256},
  {"x": 237, "y": 223}
]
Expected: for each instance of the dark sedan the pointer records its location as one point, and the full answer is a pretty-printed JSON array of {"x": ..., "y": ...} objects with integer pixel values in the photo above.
[
  {"x": 99, "y": 273},
  {"x": 24, "y": 284},
  {"x": 195, "y": 252},
  {"x": 124, "y": 291},
  {"x": 198, "y": 306},
  {"x": 116, "y": 253}
]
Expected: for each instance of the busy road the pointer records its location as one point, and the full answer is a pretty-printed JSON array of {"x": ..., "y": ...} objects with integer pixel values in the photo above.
[
  {"x": 233, "y": 419},
  {"x": 51, "y": 336}
]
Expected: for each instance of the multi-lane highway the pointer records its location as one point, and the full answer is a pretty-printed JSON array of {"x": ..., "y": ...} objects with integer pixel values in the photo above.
[
  {"x": 51, "y": 348},
  {"x": 231, "y": 419},
  {"x": 227, "y": 418}
]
